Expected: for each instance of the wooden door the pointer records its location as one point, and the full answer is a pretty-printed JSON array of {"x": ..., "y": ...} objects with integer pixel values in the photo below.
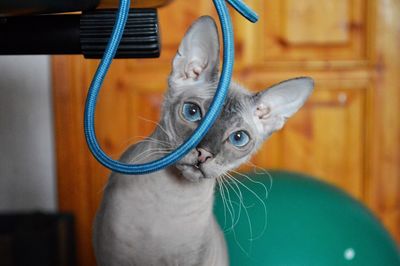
[{"x": 347, "y": 134}]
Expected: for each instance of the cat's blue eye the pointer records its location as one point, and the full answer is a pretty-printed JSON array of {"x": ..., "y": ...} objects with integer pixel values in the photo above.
[
  {"x": 191, "y": 112},
  {"x": 239, "y": 138}
]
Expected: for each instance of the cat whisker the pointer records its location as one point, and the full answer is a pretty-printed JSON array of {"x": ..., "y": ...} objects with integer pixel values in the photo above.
[
  {"x": 223, "y": 199},
  {"x": 150, "y": 151},
  {"x": 149, "y": 155},
  {"x": 151, "y": 140},
  {"x": 230, "y": 200},
  {"x": 262, "y": 203},
  {"x": 239, "y": 205},
  {"x": 230, "y": 211},
  {"x": 232, "y": 228},
  {"x": 152, "y": 154},
  {"x": 231, "y": 206},
  {"x": 163, "y": 145},
  {"x": 263, "y": 171},
  {"x": 157, "y": 124},
  {"x": 229, "y": 181},
  {"x": 253, "y": 181},
  {"x": 138, "y": 139},
  {"x": 240, "y": 197},
  {"x": 246, "y": 212},
  {"x": 222, "y": 188},
  {"x": 155, "y": 140}
]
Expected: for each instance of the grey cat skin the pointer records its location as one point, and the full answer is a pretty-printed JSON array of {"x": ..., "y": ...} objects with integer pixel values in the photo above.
[{"x": 165, "y": 218}]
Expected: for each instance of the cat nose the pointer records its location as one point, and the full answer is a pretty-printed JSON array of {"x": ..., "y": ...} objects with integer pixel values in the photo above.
[{"x": 204, "y": 155}]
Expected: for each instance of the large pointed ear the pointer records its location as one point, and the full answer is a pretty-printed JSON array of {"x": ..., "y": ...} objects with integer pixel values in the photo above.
[
  {"x": 276, "y": 104},
  {"x": 198, "y": 56}
]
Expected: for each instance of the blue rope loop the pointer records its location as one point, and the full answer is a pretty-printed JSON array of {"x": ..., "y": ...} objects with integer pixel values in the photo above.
[{"x": 207, "y": 121}]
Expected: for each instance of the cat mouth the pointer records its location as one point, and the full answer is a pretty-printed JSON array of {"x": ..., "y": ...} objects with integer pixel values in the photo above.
[
  {"x": 194, "y": 170},
  {"x": 196, "y": 167}
]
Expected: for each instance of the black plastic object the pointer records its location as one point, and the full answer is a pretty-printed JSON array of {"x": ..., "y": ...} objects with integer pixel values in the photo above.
[
  {"x": 85, "y": 34},
  {"x": 49, "y": 34},
  {"x": 37, "y": 239},
  {"x": 21, "y": 7},
  {"x": 140, "y": 39}
]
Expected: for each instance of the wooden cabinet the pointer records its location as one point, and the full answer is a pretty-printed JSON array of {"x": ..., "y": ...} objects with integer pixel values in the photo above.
[
  {"x": 326, "y": 139},
  {"x": 314, "y": 30},
  {"x": 347, "y": 134}
]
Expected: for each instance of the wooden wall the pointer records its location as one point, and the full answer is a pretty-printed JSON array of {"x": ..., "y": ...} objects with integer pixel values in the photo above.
[{"x": 348, "y": 133}]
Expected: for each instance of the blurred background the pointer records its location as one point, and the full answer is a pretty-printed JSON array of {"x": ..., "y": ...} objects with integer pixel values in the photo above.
[
  {"x": 348, "y": 134},
  {"x": 27, "y": 157}
]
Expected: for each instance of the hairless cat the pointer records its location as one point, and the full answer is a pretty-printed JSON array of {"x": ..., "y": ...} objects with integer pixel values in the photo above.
[{"x": 166, "y": 218}]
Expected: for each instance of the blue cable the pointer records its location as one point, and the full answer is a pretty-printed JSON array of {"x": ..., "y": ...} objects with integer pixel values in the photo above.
[{"x": 207, "y": 121}]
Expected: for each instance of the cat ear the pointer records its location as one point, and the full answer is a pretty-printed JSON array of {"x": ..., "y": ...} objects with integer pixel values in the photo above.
[
  {"x": 276, "y": 104},
  {"x": 198, "y": 56}
]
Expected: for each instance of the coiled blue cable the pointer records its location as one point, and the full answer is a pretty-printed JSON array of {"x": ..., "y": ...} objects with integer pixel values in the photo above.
[{"x": 207, "y": 121}]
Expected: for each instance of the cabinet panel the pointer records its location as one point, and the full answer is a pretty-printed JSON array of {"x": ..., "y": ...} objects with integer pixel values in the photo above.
[
  {"x": 330, "y": 19},
  {"x": 326, "y": 139},
  {"x": 311, "y": 30}
]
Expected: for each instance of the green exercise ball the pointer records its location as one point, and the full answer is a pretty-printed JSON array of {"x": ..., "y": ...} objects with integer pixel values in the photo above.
[{"x": 300, "y": 221}]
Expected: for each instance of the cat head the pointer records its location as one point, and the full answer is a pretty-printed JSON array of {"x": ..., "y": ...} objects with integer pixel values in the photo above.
[{"x": 247, "y": 118}]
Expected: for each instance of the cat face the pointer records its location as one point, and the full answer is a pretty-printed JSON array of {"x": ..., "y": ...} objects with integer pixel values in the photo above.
[{"x": 246, "y": 120}]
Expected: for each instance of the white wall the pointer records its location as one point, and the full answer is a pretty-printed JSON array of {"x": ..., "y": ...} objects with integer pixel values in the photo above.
[{"x": 27, "y": 171}]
